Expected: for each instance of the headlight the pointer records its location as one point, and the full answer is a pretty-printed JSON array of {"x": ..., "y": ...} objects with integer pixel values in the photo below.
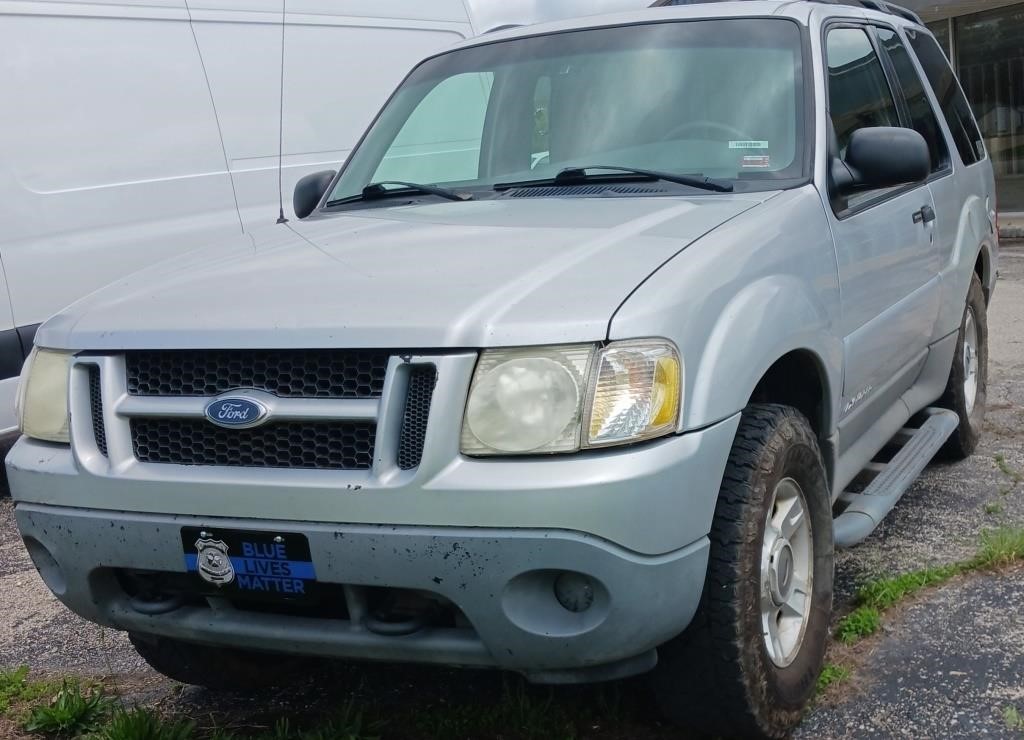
[
  {"x": 527, "y": 401},
  {"x": 43, "y": 396},
  {"x": 540, "y": 400}
]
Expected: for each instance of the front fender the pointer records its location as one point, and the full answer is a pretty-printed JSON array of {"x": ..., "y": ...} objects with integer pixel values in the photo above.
[
  {"x": 759, "y": 286},
  {"x": 767, "y": 320}
]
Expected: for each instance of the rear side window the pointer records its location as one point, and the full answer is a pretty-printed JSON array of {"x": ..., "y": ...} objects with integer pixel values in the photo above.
[
  {"x": 858, "y": 92},
  {"x": 922, "y": 116},
  {"x": 951, "y": 98}
]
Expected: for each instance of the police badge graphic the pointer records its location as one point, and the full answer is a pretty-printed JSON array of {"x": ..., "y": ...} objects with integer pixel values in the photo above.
[{"x": 213, "y": 563}]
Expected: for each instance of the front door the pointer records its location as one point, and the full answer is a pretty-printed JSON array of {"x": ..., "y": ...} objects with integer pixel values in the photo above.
[{"x": 888, "y": 262}]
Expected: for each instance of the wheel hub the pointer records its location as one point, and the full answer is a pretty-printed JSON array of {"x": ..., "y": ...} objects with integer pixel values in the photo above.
[
  {"x": 780, "y": 575},
  {"x": 787, "y": 560},
  {"x": 970, "y": 361}
]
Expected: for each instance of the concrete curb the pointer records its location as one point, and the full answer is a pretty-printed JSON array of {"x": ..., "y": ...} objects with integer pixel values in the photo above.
[{"x": 1011, "y": 225}]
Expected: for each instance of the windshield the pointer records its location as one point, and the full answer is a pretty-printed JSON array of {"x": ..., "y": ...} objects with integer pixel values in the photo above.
[{"x": 718, "y": 98}]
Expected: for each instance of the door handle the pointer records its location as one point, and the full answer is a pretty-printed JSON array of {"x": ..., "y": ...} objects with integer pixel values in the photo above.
[{"x": 925, "y": 216}]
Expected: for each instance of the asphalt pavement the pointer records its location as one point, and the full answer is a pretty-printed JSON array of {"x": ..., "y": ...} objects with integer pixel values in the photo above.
[{"x": 948, "y": 664}]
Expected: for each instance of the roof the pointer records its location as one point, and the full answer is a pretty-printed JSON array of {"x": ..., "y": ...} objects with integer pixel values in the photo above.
[{"x": 799, "y": 10}]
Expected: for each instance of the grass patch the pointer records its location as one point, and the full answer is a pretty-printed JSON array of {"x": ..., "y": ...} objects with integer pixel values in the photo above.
[
  {"x": 144, "y": 724},
  {"x": 858, "y": 624},
  {"x": 348, "y": 724},
  {"x": 528, "y": 713},
  {"x": 1009, "y": 472},
  {"x": 1013, "y": 719},
  {"x": 16, "y": 688},
  {"x": 71, "y": 712},
  {"x": 993, "y": 509},
  {"x": 999, "y": 548},
  {"x": 832, "y": 674},
  {"x": 884, "y": 592}
]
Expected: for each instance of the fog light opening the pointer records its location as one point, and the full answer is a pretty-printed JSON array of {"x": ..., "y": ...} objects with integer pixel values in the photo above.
[{"x": 575, "y": 592}]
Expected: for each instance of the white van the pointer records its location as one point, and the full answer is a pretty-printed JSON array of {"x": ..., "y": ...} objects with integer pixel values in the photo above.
[{"x": 136, "y": 130}]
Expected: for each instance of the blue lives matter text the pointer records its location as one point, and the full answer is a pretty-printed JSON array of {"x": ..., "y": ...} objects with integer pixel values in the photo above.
[{"x": 265, "y": 567}]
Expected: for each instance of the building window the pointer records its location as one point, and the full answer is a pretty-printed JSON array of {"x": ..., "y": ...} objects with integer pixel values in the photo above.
[
  {"x": 990, "y": 54},
  {"x": 942, "y": 34}
]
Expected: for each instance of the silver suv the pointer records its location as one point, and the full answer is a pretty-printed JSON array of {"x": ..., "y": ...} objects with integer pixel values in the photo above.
[{"x": 580, "y": 368}]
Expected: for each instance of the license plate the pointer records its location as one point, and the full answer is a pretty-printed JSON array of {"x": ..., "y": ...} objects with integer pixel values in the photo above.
[{"x": 267, "y": 566}]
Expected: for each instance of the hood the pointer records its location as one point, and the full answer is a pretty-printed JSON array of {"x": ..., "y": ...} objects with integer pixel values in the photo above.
[{"x": 507, "y": 272}]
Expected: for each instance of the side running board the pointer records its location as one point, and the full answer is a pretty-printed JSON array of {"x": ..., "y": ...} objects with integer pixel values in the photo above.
[{"x": 866, "y": 509}]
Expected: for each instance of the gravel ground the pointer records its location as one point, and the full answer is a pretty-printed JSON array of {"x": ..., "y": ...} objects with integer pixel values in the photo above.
[{"x": 946, "y": 665}]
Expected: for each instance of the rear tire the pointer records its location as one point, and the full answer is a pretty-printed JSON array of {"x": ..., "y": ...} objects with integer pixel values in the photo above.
[
  {"x": 725, "y": 675},
  {"x": 970, "y": 369},
  {"x": 217, "y": 668}
]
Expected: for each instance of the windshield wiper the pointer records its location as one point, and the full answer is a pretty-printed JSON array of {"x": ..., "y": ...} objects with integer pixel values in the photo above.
[
  {"x": 378, "y": 190},
  {"x": 578, "y": 175}
]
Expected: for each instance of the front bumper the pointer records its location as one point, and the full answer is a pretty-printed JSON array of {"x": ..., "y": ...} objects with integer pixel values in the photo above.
[
  {"x": 500, "y": 580},
  {"x": 487, "y": 537}
]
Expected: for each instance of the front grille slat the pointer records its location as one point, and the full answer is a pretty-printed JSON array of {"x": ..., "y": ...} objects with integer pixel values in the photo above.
[
  {"x": 332, "y": 445},
  {"x": 417, "y": 410},
  {"x": 301, "y": 373},
  {"x": 99, "y": 429}
]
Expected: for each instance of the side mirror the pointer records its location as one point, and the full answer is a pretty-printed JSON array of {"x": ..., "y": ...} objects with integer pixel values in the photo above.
[
  {"x": 882, "y": 157},
  {"x": 309, "y": 190}
]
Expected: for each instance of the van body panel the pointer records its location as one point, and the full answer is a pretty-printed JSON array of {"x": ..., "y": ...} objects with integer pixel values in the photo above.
[{"x": 84, "y": 216}]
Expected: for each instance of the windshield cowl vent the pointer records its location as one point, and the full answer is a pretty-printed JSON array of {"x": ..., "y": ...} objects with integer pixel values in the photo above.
[{"x": 549, "y": 190}]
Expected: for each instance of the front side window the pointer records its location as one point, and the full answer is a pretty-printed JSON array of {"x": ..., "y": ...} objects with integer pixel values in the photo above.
[
  {"x": 723, "y": 99},
  {"x": 858, "y": 92},
  {"x": 921, "y": 114},
  {"x": 951, "y": 98}
]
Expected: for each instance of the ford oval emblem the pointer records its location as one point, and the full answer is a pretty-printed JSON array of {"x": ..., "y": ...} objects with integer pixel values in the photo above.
[{"x": 236, "y": 413}]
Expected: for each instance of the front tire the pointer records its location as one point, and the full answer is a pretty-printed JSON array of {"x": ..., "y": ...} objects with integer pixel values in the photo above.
[
  {"x": 748, "y": 664},
  {"x": 967, "y": 389}
]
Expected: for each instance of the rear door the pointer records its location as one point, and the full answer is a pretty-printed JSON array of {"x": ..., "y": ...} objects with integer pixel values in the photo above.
[{"x": 888, "y": 262}]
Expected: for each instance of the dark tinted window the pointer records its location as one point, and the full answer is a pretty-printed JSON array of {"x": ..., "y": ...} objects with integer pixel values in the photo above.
[
  {"x": 951, "y": 98},
  {"x": 922, "y": 115},
  {"x": 858, "y": 92}
]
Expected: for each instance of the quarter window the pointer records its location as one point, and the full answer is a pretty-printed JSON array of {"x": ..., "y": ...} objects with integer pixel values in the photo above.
[
  {"x": 951, "y": 98},
  {"x": 858, "y": 92},
  {"x": 922, "y": 116}
]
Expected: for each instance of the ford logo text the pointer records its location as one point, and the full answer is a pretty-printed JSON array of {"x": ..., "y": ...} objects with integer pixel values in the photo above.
[{"x": 236, "y": 413}]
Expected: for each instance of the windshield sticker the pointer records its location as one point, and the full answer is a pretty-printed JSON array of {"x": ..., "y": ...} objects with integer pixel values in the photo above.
[
  {"x": 748, "y": 144},
  {"x": 759, "y": 162}
]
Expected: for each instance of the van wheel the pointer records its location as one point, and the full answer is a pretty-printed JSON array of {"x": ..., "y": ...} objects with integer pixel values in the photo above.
[
  {"x": 968, "y": 379},
  {"x": 749, "y": 662},
  {"x": 218, "y": 668}
]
